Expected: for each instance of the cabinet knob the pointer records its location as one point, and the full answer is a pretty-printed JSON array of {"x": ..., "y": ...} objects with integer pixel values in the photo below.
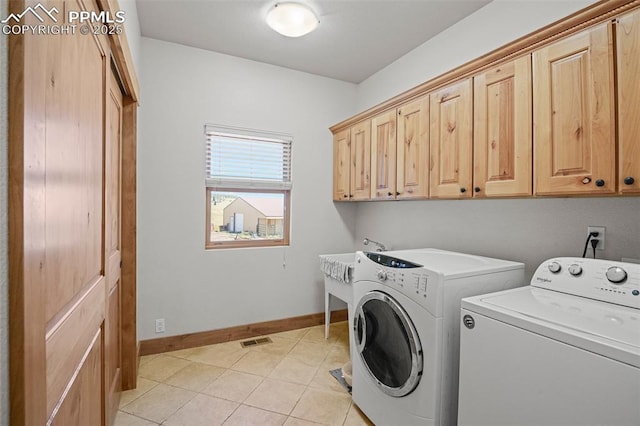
[
  {"x": 477, "y": 189},
  {"x": 346, "y": 196},
  {"x": 389, "y": 194},
  {"x": 600, "y": 182},
  {"x": 397, "y": 193},
  {"x": 350, "y": 196},
  {"x": 463, "y": 190},
  {"x": 629, "y": 180}
]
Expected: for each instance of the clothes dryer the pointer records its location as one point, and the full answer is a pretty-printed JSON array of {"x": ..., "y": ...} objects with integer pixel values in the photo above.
[{"x": 407, "y": 304}]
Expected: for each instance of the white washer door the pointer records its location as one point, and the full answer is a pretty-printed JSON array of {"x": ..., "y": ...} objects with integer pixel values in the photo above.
[{"x": 388, "y": 343}]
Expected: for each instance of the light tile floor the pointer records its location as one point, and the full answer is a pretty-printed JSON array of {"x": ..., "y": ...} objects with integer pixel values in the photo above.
[{"x": 286, "y": 382}]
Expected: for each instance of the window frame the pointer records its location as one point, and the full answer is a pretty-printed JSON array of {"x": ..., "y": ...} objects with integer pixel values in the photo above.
[
  {"x": 284, "y": 241},
  {"x": 249, "y": 189}
]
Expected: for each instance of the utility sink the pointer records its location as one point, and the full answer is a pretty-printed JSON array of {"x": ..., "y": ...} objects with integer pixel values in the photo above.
[{"x": 338, "y": 277}]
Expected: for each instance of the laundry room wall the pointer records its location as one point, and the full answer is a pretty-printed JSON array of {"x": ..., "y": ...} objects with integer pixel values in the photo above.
[
  {"x": 195, "y": 289},
  {"x": 526, "y": 230},
  {"x": 4, "y": 278}
]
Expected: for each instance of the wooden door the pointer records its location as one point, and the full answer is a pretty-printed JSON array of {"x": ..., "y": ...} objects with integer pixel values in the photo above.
[
  {"x": 573, "y": 115},
  {"x": 502, "y": 140},
  {"x": 112, "y": 233},
  {"x": 628, "y": 56},
  {"x": 451, "y": 145},
  {"x": 361, "y": 160},
  {"x": 413, "y": 150},
  {"x": 341, "y": 165},
  {"x": 383, "y": 156},
  {"x": 57, "y": 233}
]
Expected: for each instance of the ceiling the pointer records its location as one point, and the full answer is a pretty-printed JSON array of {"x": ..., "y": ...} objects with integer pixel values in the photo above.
[{"x": 355, "y": 38}]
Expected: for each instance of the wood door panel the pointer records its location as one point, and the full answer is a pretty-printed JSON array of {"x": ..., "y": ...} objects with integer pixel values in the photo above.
[
  {"x": 451, "y": 141},
  {"x": 574, "y": 121},
  {"x": 628, "y": 39},
  {"x": 83, "y": 400},
  {"x": 383, "y": 156},
  {"x": 73, "y": 196},
  {"x": 413, "y": 149},
  {"x": 69, "y": 338},
  {"x": 361, "y": 160},
  {"x": 341, "y": 165},
  {"x": 502, "y": 130}
]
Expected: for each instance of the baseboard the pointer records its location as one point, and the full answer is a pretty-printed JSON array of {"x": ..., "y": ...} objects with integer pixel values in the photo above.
[{"x": 203, "y": 338}]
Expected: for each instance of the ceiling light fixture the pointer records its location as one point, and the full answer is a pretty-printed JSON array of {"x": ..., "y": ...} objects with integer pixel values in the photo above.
[{"x": 292, "y": 19}]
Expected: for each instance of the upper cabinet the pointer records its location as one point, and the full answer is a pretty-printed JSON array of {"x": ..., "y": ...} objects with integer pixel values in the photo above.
[
  {"x": 574, "y": 114},
  {"x": 502, "y": 130},
  {"x": 352, "y": 163},
  {"x": 451, "y": 133},
  {"x": 383, "y": 156},
  {"x": 400, "y": 152},
  {"x": 342, "y": 165},
  {"x": 555, "y": 113},
  {"x": 360, "y": 161},
  {"x": 628, "y": 44},
  {"x": 413, "y": 150}
]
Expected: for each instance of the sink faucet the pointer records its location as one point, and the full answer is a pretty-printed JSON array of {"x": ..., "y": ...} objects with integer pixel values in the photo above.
[{"x": 381, "y": 246}]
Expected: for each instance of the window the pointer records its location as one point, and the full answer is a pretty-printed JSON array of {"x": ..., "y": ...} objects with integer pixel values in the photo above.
[{"x": 248, "y": 187}]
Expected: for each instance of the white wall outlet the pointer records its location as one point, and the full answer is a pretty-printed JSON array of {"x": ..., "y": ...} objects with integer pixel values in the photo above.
[
  {"x": 601, "y": 235},
  {"x": 160, "y": 325}
]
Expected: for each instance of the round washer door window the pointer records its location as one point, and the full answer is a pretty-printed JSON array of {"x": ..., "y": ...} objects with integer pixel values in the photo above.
[{"x": 388, "y": 343}]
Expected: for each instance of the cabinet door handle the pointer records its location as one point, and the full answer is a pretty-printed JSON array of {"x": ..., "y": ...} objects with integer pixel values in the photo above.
[
  {"x": 629, "y": 180},
  {"x": 345, "y": 196},
  {"x": 600, "y": 182},
  {"x": 463, "y": 190},
  {"x": 389, "y": 194},
  {"x": 398, "y": 193},
  {"x": 477, "y": 189}
]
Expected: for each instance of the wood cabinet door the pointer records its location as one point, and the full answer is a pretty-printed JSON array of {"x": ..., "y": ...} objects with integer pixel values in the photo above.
[
  {"x": 413, "y": 150},
  {"x": 573, "y": 115},
  {"x": 451, "y": 144},
  {"x": 628, "y": 39},
  {"x": 383, "y": 156},
  {"x": 502, "y": 130},
  {"x": 341, "y": 165},
  {"x": 361, "y": 160}
]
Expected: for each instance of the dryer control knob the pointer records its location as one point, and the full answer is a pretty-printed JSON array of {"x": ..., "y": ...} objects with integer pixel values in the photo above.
[
  {"x": 575, "y": 270},
  {"x": 382, "y": 275},
  {"x": 554, "y": 267},
  {"x": 616, "y": 275}
]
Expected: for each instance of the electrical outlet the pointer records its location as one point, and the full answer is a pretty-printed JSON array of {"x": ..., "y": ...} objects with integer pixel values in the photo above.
[
  {"x": 160, "y": 325},
  {"x": 601, "y": 235}
]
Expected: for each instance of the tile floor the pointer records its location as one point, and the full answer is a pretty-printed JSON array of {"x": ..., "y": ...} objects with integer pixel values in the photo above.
[{"x": 286, "y": 382}]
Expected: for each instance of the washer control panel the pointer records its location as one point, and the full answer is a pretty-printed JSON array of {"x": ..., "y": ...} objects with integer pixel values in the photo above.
[{"x": 606, "y": 280}]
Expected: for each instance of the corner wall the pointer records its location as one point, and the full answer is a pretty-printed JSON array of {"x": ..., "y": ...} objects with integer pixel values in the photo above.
[
  {"x": 195, "y": 289},
  {"x": 491, "y": 27},
  {"x": 4, "y": 278},
  {"x": 526, "y": 230}
]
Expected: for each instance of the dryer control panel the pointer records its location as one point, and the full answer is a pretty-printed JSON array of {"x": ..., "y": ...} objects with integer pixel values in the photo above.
[{"x": 605, "y": 280}]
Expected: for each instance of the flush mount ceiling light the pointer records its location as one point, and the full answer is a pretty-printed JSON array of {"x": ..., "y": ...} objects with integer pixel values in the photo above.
[{"x": 292, "y": 19}]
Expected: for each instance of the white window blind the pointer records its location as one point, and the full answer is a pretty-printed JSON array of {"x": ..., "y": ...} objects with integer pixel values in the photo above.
[{"x": 247, "y": 159}]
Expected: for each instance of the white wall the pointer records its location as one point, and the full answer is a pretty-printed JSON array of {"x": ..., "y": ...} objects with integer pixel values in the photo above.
[
  {"x": 4, "y": 279},
  {"x": 491, "y": 27},
  {"x": 132, "y": 28},
  {"x": 192, "y": 288},
  {"x": 527, "y": 230}
]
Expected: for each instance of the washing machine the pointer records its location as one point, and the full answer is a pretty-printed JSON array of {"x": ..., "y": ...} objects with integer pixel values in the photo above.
[
  {"x": 405, "y": 333},
  {"x": 564, "y": 350}
]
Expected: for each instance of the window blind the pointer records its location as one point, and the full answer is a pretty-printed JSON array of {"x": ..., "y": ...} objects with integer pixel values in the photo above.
[{"x": 247, "y": 159}]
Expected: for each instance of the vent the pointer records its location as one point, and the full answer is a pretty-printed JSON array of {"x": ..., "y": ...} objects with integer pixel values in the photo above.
[{"x": 255, "y": 342}]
